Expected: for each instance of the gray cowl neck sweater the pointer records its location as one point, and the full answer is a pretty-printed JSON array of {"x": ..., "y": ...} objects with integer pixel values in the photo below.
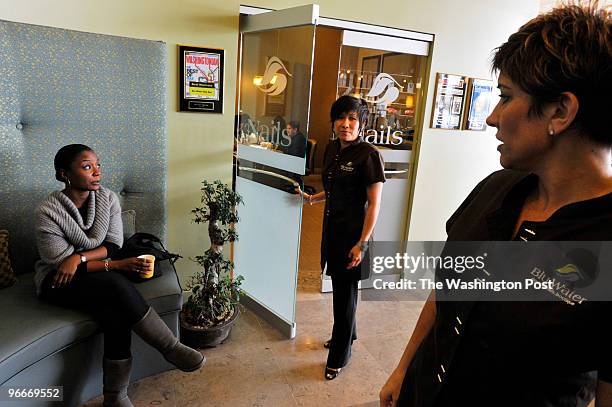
[{"x": 61, "y": 231}]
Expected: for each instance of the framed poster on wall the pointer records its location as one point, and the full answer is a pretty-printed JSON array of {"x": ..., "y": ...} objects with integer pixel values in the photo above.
[
  {"x": 449, "y": 97},
  {"x": 201, "y": 79},
  {"x": 275, "y": 105},
  {"x": 479, "y": 99}
]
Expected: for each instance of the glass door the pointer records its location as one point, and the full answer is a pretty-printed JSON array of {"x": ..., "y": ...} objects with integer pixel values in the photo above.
[
  {"x": 388, "y": 73},
  {"x": 271, "y": 147}
]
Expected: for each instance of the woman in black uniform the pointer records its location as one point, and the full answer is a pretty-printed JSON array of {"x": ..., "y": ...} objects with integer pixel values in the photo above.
[
  {"x": 353, "y": 174},
  {"x": 556, "y": 186}
]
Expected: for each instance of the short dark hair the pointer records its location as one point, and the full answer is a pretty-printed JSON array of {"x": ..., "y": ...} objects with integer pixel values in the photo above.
[
  {"x": 568, "y": 49},
  {"x": 346, "y": 104},
  {"x": 294, "y": 124},
  {"x": 65, "y": 156}
]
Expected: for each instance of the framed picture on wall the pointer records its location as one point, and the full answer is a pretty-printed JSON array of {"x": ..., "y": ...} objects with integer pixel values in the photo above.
[
  {"x": 201, "y": 79},
  {"x": 275, "y": 105},
  {"x": 479, "y": 97},
  {"x": 449, "y": 98}
]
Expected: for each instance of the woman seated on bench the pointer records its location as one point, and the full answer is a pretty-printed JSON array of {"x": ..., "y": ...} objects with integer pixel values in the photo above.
[{"x": 77, "y": 230}]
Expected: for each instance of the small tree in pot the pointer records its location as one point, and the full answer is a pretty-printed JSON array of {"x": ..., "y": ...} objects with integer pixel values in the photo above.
[{"x": 211, "y": 310}]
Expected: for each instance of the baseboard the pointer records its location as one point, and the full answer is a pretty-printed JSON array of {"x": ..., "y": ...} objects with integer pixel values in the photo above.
[{"x": 286, "y": 328}]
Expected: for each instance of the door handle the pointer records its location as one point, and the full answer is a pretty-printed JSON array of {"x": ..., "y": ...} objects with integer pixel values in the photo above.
[
  {"x": 270, "y": 173},
  {"x": 396, "y": 171}
]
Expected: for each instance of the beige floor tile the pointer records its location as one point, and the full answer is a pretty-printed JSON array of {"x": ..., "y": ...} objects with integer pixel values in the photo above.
[
  {"x": 386, "y": 350},
  {"x": 146, "y": 394},
  {"x": 251, "y": 379},
  {"x": 304, "y": 370},
  {"x": 314, "y": 319},
  {"x": 376, "y": 318}
]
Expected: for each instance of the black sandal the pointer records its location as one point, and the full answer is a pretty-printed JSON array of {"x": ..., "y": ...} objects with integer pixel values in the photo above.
[{"x": 331, "y": 373}]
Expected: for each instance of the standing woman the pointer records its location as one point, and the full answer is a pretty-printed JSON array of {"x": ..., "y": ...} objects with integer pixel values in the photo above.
[
  {"x": 353, "y": 176},
  {"x": 77, "y": 230},
  {"x": 556, "y": 185}
]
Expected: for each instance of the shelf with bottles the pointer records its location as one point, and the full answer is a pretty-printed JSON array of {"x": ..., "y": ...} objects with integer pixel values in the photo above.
[
  {"x": 374, "y": 101},
  {"x": 367, "y": 79},
  {"x": 365, "y": 90}
]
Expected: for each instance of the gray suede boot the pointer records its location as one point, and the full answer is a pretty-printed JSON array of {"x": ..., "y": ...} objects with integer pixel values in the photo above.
[
  {"x": 156, "y": 333},
  {"x": 116, "y": 381}
]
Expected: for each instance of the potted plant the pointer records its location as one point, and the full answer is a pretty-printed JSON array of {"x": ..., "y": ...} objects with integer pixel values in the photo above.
[{"x": 211, "y": 310}]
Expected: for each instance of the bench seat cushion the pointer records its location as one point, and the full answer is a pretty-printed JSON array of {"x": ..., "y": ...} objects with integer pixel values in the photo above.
[{"x": 31, "y": 329}]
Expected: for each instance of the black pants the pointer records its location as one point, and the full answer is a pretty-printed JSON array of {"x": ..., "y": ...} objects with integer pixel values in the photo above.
[
  {"x": 345, "y": 327},
  {"x": 113, "y": 301}
]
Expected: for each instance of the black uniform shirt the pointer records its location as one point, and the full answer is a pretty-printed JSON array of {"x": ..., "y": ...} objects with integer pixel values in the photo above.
[
  {"x": 515, "y": 353},
  {"x": 347, "y": 173}
]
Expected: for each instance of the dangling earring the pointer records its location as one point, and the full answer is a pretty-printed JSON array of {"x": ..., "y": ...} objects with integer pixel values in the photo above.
[
  {"x": 551, "y": 131},
  {"x": 67, "y": 181}
]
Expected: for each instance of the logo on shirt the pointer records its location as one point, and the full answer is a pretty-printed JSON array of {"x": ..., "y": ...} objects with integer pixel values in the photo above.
[
  {"x": 564, "y": 283},
  {"x": 569, "y": 272},
  {"x": 348, "y": 167}
]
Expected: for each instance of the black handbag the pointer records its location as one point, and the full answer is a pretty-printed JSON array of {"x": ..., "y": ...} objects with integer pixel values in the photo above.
[{"x": 145, "y": 243}]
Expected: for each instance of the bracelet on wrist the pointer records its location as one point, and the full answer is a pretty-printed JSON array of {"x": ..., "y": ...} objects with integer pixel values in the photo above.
[
  {"x": 363, "y": 245},
  {"x": 106, "y": 266}
]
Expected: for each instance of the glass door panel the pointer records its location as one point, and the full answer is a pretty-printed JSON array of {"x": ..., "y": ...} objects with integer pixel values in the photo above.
[
  {"x": 274, "y": 104},
  {"x": 387, "y": 72},
  {"x": 274, "y": 97},
  {"x": 391, "y": 84}
]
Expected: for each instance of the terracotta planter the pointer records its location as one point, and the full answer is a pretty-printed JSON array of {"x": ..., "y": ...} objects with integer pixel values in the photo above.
[{"x": 198, "y": 337}]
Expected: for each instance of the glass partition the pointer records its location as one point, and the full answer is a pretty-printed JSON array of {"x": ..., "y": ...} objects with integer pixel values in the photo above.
[
  {"x": 274, "y": 103},
  {"x": 391, "y": 84},
  {"x": 274, "y": 94}
]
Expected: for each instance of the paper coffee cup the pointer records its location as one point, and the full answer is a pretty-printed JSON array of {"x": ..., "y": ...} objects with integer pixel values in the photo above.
[{"x": 151, "y": 270}]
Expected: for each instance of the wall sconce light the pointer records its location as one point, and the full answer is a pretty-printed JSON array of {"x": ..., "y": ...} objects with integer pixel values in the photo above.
[
  {"x": 258, "y": 80},
  {"x": 409, "y": 101}
]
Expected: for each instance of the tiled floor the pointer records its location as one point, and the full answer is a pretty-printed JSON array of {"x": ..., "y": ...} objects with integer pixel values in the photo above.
[{"x": 257, "y": 366}]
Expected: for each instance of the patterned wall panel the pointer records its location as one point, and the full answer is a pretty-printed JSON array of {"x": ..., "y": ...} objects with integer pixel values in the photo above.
[{"x": 59, "y": 87}]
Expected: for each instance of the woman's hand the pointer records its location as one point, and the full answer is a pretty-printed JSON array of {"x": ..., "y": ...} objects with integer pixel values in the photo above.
[
  {"x": 66, "y": 270},
  {"x": 354, "y": 256},
  {"x": 391, "y": 390},
  {"x": 307, "y": 198},
  {"x": 132, "y": 264}
]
